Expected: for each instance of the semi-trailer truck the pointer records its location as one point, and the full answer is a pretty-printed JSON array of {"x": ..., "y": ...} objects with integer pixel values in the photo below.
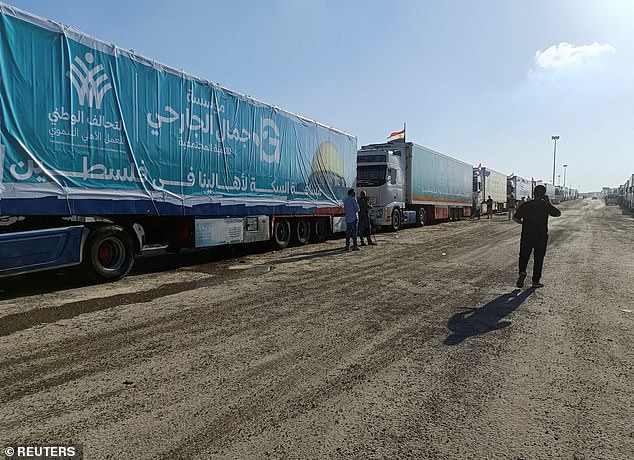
[
  {"x": 550, "y": 189},
  {"x": 629, "y": 193},
  {"x": 410, "y": 184},
  {"x": 519, "y": 190},
  {"x": 612, "y": 196},
  {"x": 489, "y": 183},
  {"x": 104, "y": 152}
]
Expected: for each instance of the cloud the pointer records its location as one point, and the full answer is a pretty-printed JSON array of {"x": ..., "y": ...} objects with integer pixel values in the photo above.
[
  {"x": 566, "y": 62},
  {"x": 567, "y": 56}
]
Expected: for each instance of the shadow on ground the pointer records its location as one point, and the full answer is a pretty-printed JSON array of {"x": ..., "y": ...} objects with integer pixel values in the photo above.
[{"x": 490, "y": 317}]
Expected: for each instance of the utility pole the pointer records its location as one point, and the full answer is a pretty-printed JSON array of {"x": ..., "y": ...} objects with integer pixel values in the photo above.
[{"x": 554, "y": 138}]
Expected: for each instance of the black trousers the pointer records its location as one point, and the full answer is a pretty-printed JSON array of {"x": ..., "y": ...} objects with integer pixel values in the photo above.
[{"x": 527, "y": 245}]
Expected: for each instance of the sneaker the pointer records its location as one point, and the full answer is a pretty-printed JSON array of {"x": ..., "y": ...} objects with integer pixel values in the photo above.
[
  {"x": 347, "y": 248},
  {"x": 537, "y": 284},
  {"x": 355, "y": 248},
  {"x": 362, "y": 244},
  {"x": 520, "y": 280},
  {"x": 372, "y": 243}
]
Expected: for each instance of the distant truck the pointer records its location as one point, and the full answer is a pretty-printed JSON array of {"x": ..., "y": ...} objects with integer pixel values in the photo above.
[
  {"x": 550, "y": 190},
  {"x": 629, "y": 194},
  {"x": 612, "y": 196},
  {"x": 409, "y": 184},
  {"x": 105, "y": 152},
  {"x": 519, "y": 190},
  {"x": 489, "y": 183}
]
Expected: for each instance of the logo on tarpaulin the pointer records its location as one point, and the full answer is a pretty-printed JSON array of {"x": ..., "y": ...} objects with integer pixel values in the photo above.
[
  {"x": 91, "y": 84},
  {"x": 270, "y": 142}
]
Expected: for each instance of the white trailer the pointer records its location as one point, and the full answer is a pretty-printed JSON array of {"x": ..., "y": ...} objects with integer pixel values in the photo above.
[{"x": 489, "y": 183}]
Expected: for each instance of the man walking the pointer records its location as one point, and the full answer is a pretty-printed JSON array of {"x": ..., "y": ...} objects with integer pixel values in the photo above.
[
  {"x": 533, "y": 215},
  {"x": 351, "y": 207}
]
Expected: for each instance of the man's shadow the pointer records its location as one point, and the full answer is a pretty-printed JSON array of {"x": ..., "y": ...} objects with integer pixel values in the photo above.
[{"x": 485, "y": 319}]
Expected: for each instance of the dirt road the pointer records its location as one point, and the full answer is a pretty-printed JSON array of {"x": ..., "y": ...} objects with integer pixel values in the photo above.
[{"x": 419, "y": 347}]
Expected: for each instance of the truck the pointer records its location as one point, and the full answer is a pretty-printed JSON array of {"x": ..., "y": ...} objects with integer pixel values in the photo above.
[
  {"x": 518, "y": 190},
  {"x": 629, "y": 194},
  {"x": 408, "y": 184},
  {"x": 105, "y": 153},
  {"x": 550, "y": 189},
  {"x": 612, "y": 196},
  {"x": 489, "y": 183}
]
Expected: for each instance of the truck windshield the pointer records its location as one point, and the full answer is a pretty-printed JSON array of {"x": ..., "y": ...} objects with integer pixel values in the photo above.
[
  {"x": 371, "y": 159},
  {"x": 371, "y": 176}
]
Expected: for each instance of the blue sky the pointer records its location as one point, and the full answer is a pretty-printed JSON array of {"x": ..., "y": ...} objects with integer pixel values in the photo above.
[{"x": 484, "y": 81}]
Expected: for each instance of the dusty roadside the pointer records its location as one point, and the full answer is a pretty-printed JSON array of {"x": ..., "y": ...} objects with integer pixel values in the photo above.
[{"x": 419, "y": 347}]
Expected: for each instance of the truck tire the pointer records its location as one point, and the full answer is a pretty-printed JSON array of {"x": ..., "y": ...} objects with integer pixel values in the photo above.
[
  {"x": 302, "y": 231},
  {"x": 320, "y": 231},
  {"x": 281, "y": 234},
  {"x": 396, "y": 221},
  {"x": 108, "y": 254}
]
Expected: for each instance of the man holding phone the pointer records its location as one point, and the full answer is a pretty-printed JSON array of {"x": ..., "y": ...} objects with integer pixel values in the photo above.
[{"x": 533, "y": 215}]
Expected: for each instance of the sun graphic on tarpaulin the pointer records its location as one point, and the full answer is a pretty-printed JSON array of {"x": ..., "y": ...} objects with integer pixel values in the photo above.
[{"x": 328, "y": 170}]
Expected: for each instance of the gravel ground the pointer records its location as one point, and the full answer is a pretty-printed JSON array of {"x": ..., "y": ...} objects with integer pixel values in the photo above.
[{"x": 419, "y": 347}]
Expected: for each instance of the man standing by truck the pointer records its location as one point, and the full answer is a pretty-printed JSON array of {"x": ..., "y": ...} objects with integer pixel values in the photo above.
[
  {"x": 489, "y": 203},
  {"x": 533, "y": 215},
  {"x": 351, "y": 207},
  {"x": 365, "y": 224}
]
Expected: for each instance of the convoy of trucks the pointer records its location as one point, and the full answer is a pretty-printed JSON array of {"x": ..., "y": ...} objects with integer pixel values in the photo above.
[
  {"x": 104, "y": 152},
  {"x": 410, "y": 184},
  {"x": 626, "y": 194}
]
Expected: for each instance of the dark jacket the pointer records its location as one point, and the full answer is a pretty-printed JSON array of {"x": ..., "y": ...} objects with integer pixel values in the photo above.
[{"x": 534, "y": 216}]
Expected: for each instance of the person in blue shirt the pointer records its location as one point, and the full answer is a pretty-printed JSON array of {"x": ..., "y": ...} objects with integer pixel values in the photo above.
[{"x": 351, "y": 207}]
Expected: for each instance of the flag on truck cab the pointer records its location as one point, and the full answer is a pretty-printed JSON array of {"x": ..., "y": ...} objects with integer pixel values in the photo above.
[{"x": 396, "y": 135}]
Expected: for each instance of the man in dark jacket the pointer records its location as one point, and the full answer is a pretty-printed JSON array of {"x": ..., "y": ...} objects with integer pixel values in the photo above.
[
  {"x": 533, "y": 215},
  {"x": 365, "y": 224},
  {"x": 489, "y": 203}
]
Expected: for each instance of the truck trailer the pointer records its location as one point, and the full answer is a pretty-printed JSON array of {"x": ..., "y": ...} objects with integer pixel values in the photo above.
[
  {"x": 519, "y": 190},
  {"x": 105, "y": 152},
  {"x": 629, "y": 193},
  {"x": 410, "y": 184},
  {"x": 550, "y": 189},
  {"x": 489, "y": 183}
]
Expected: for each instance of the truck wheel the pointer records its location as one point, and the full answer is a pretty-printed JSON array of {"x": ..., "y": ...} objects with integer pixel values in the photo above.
[
  {"x": 396, "y": 221},
  {"x": 281, "y": 233},
  {"x": 421, "y": 217},
  {"x": 320, "y": 231},
  {"x": 108, "y": 254},
  {"x": 302, "y": 231}
]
